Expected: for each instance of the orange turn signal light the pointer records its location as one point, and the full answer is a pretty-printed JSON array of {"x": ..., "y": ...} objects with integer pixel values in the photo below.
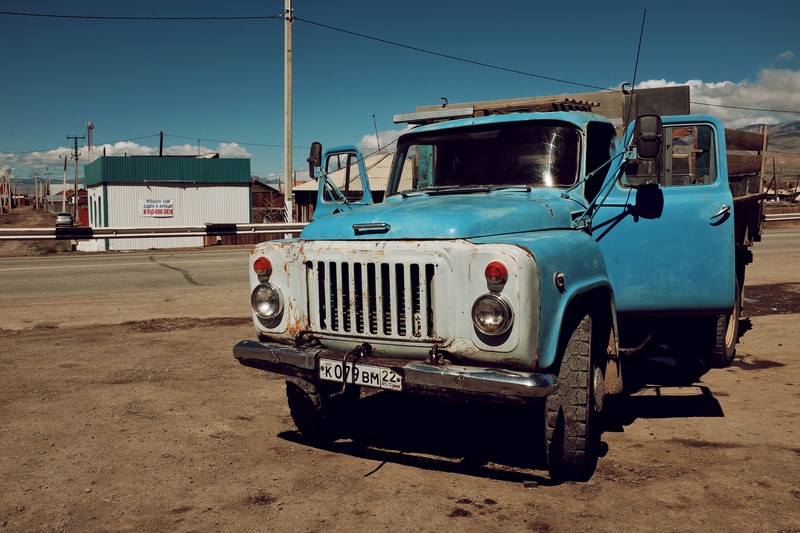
[{"x": 496, "y": 273}]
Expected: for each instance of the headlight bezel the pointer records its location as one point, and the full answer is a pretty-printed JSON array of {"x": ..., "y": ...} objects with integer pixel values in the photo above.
[
  {"x": 267, "y": 294},
  {"x": 500, "y": 304}
]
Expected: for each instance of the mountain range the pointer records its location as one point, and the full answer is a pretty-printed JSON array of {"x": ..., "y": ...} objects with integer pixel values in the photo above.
[{"x": 784, "y": 149}]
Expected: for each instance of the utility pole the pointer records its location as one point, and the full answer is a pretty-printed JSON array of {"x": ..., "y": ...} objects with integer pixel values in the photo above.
[
  {"x": 8, "y": 194},
  {"x": 287, "y": 109},
  {"x": 64, "y": 190},
  {"x": 75, "y": 156},
  {"x": 89, "y": 141},
  {"x": 47, "y": 189}
]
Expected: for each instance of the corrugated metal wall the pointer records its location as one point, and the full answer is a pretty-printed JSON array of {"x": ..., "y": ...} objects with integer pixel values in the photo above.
[
  {"x": 141, "y": 169},
  {"x": 194, "y": 205}
]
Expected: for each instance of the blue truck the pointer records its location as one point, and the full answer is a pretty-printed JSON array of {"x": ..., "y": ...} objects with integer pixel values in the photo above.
[{"x": 518, "y": 256}]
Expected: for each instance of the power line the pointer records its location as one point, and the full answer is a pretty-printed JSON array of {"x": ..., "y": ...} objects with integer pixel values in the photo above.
[
  {"x": 231, "y": 142},
  {"x": 448, "y": 56},
  {"x": 748, "y": 108},
  {"x": 17, "y": 152},
  {"x": 103, "y": 143},
  {"x": 115, "y": 17},
  {"x": 362, "y": 36}
]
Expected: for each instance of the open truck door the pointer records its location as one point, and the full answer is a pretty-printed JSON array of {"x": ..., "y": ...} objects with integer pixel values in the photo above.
[
  {"x": 674, "y": 205},
  {"x": 342, "y": 179}
]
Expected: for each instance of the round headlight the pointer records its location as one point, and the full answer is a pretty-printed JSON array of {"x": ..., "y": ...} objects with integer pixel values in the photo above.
[
  {"x": 267, "y": 301},
  {"x": 491, "y": 314}
]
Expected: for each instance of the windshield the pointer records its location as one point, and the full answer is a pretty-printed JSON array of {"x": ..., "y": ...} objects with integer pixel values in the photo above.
[{"x": 541, "y": 154}]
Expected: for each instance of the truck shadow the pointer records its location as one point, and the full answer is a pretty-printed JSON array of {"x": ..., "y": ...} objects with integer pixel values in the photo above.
[
  {"x": 498, "y": 442},
  {"x": 662, "y": 381},
  {"x": 503, "y": 442}
]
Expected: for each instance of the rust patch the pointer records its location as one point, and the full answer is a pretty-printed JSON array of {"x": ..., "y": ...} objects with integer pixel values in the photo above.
[{"x": 296, "y": 326}]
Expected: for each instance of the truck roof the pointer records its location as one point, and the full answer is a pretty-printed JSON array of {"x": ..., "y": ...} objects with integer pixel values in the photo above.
[{"x": 576, "y": 118}]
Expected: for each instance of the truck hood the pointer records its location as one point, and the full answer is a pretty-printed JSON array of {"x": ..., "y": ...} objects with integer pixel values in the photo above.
[{"x": 449, "y": 216}]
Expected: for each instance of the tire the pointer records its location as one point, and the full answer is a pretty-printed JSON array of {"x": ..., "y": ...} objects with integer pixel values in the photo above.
[
  {"x": 308, "y": 409},
  {"x": 572, "y": 424},
  {"x": 725, "y": 335},
  {"x": 314, "y": 412}
]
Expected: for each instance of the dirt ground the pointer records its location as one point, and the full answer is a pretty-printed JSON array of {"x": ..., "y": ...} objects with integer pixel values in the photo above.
[
  {"x": 27, "y": 217},
  {"x": 152, "y": 426}
]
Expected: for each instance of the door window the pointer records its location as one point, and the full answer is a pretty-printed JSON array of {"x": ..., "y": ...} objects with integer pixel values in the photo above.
[
  {"x": 342, "y": 169},
  {"x": 688, "y": 158}
]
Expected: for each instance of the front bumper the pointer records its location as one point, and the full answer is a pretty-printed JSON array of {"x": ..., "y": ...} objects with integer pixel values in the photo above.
[{"x": 419, "y": 377}]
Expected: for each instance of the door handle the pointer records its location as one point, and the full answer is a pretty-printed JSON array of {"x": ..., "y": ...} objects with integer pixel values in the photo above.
[
  {"x": 371, "y": 227},
  {"x": 722, "y": 211}
]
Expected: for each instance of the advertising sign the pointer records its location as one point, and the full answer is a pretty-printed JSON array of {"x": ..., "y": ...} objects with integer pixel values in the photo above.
[{"x": 157, "y": 208}]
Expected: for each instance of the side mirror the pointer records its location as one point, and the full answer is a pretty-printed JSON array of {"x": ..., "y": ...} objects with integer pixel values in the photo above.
[
  {"x": 314, "y": 159},
  {"x": 648, "y": 135}
]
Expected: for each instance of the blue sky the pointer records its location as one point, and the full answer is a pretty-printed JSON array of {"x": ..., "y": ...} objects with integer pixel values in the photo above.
[{"x": 222, "y": 80}]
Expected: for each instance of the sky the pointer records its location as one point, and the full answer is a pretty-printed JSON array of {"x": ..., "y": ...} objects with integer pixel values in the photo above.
[{"x": 217, "y": 84}]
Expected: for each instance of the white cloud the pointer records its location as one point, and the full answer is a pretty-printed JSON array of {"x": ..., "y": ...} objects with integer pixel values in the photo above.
[
  {"x": 369, "y": 143},
  {"x": 53, "y": 160},
  {"x": 788, "y": 54},
  {"x": 232, "y": 150},
  {"x": 746, "y": 102}
]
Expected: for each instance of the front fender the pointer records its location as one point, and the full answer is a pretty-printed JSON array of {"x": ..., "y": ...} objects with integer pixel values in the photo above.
[{"x": 575, "y": 257}]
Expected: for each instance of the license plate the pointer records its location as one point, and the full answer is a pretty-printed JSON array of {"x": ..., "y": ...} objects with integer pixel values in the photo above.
[{"x": 360, "y": 374}]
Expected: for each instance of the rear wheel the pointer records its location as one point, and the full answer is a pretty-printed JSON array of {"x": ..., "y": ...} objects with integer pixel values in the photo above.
[
  {"x": 725, "y": 334},
  {"x": 572, "y": 425}
]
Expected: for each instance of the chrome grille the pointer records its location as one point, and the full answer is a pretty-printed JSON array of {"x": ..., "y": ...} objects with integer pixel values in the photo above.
[{"x": 384, "y": 299}]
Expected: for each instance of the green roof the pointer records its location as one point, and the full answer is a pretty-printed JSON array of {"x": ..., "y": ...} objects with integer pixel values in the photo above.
[{"x": 149, "y": 169}]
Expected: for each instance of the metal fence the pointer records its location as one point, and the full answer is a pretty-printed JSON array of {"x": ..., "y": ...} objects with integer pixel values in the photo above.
[
  {"x": 77, "y": 233},
  {"x": 777, "y": 217}
]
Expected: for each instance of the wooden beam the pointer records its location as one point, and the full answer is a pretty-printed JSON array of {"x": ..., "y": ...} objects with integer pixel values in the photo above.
[{"x": 744, "y": 140}]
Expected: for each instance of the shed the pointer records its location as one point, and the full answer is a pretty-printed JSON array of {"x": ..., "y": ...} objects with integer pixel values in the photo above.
[{"x": 153, "y": 191}]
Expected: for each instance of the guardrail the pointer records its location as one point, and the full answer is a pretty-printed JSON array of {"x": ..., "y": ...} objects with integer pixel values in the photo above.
[
  {"x": 777, "y": 217},
  {"x": 78, "y": 233}
]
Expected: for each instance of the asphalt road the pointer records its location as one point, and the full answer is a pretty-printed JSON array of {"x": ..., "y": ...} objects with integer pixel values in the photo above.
[
  {"x": 112, "y": 288},
  {"x": 776, "y": 256},
  {"x": 108, "y": 288}
]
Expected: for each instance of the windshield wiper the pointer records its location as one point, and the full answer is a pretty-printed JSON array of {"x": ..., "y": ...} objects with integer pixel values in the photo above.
[
  {"x": 446, "y": 189},
  {"x": 526, "y": 188},
  {"x": 461, "y": 189},
  {"x": 458, "y": 190}
]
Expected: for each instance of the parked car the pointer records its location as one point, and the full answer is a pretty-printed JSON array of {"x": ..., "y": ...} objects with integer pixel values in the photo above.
[{"x": 64, "y": 219}]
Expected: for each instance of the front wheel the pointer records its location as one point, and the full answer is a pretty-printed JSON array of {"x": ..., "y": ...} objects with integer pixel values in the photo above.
[
  {"x": 572, "y": 425},
  {"x": 317, "y": 411},
  {"x": 308, "y": 409}
]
